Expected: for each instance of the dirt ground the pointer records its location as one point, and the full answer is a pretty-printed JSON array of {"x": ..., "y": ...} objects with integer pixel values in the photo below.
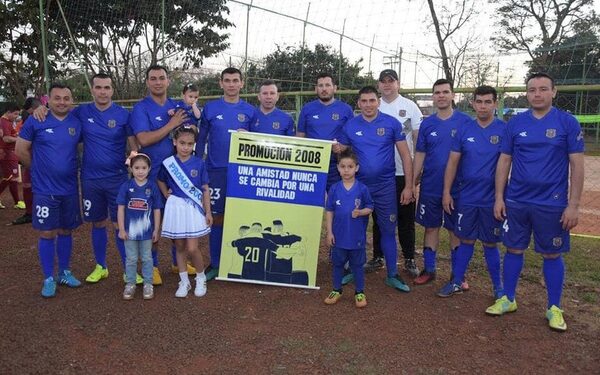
[{"x": 249, "y": 329}]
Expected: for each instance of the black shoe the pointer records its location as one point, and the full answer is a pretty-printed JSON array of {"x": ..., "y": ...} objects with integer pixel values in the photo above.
[
  {"x": 411, "y": 267},
  {"x": 25, "y": 219},
  {"x": 374, "y": 265}
]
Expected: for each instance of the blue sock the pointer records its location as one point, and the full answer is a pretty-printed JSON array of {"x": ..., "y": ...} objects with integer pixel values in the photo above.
[
  {"x": 154, "y": 257},
  {"x": 359, "y": 278},
  {"x": 120, "y": 248},
  {"x": 462, "y": 257},
  {"x": 214, "y": 244},
  {"x": 173, "y": 254},
  {"x": 99, "y": 241},
  {"x": 390, "y": 252},
  {"x": 513, "y": 264},
  {"x": 338, "y": 274},
  {"x": 64, "y": 247},
  {"x": 429, "y": 259},
  {"x": 554, "y": 275},
  {"x": 492, "y": 259},
  {"x": 46, "y": 252}
]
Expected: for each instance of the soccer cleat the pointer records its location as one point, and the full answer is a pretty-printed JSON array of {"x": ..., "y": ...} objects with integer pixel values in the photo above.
[
  {"x": 1, "y": 205},
  {"x": 374, "y": 265},
  {"x": 333, "y": 297},
  {"x": 397, "y": 283},
  {"x": 211, "y": 272},
  {"x": 348, "y": 278},
  {"x": 200, "y": 289},
  {"x": 25, "y": 219},
  {"x": 49, "y": 288},
  {"x": 501, "y": 306},
  {"x": 65, "y": 277},
  {"x": 411, "y": 267},
  {"x": 129, "y": 292},
  {"x": 20, "y": 205},
  {"x": 139, "y": 280},
  {"x": 449, "y": 289},
  {"x": 424, "y": 277},
  {"x": 183, "y": 289},
  {"x": 360, "y": 300},
  {"x": 97, "y": 274},
  {"x": 156, "y": 279},
  {"x": 555, "y": 319},
  {"x": 148, "y": 291}
]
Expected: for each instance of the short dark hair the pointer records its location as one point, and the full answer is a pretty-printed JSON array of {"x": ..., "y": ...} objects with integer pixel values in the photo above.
[
  {"x": 539, "y": 75},
  {"x": 485, "y": 90},
  {"x": 101, "y": 75},
  {"x": 268, "y": 82},
  {"x": 59, "y": 85},
  {"x": 190, "y": 87},
  {"x": 326, "y": 75},
  {"x": 348, "y": 154},
  {"x": 11, "y": 107},
  {"x": 156, "y": 67},
  {"x": 231, "y": 70},
  {"x": 368, "y": 90},
  {"x": 443, "y": 81},
  {"x": 31, "y": 102}
]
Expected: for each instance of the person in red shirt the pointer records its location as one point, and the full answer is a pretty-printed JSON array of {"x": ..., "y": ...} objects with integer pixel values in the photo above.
[{"x": 9, "y": 163}]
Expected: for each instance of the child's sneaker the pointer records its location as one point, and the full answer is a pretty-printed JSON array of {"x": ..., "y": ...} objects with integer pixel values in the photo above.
[
  {"x": 148, "y": 291},
  {"x": 156, "y": 278},
  {"x": 555, "y": 319},
  {"x": 49, "y": 288},
  {"x": 129, "y": 292},
  {"x": 333, "y": 297},
  {"x": 65, "y": 277},
  {"x": 360, "y": 300},
  {"x": 200, "y": 289},
  {"x": 183, "y": 289}
]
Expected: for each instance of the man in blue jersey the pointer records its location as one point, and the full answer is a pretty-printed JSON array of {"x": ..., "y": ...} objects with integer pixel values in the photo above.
[
  {"x": 475, "y": 151},
  {"x": 373, "y": 136},
  {"x": 152, "y": 126},
  {"x": 269, "y": 118},
  {"x": 541, "y": 145},
  {"x": 219, "y": 117},
  {"x": 431, "y": 155},
  {"x": 105, "y": 134},
  {"x": 324, "y": 118},
  {"x": 49, "y": 149}
]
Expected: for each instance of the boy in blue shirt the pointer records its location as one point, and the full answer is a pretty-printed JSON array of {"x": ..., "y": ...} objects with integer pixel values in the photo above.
[
  {"x": 349, "y": 205},
  {"x": 541, "y": 145}
]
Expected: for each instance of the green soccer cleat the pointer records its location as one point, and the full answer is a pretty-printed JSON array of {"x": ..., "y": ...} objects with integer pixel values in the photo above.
[
  {"x": 397, "y": 283},
  {"x": 555, "y": 319},
  {"x": 333, "y": 297},
  {"x": 501, "y": 306},
  {"x": 139, "y": 280},
  {"x": 97, "y": 274},
  {"x": 360, "y": 300},
  {"x": 20, "y": 205}
]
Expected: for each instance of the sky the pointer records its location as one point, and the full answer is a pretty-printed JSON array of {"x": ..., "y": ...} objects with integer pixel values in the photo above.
[{"x": 386, "y": 25}]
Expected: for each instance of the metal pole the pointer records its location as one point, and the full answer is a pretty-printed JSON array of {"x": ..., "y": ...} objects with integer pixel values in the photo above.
[
  {"x": 44, "y": 47},
  {"x": 400, "y": 67},
  {"x": 370, "y": 53},
  {"x": 303, "y": 47},
  {"x": 246, "y": 50},
  {"x": 162, "y": 33},
  {"x": 415, "y": 76},
  {"x": 341, "y": 57}
]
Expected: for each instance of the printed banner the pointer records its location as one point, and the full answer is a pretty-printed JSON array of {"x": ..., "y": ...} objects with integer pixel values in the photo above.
[{"x": 274, "y": 209}]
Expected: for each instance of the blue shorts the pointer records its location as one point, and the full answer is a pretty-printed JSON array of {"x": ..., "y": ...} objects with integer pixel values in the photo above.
[
  {"x": 56, "y": 212},
  {"x": 477, "y": 223},
  {"x": 386, "y": 209},
  {"x": 356, "y": 257},
  {"x": 218, "y": 189},
  {"x": 99, "y": 198},
  {"x": 548, "y": 235},
  {"x": 430, "y": 213}
]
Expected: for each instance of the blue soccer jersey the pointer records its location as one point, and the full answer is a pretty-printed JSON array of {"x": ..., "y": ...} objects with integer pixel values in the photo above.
[
  {"x": 374, "y": 143},
  {"x": 320, "y": 121},
  {"x": 480, "y": 149},
  {"x": 139, "y": 202},
  {"x": 349, "y": 232},
  {"x": 217, "y": 119},
  {"x": 147, "y": 116},
  {"x": 540, "y": 151},
  {"x": 435, "y": 139},
  {"x": 275, "y": 122},
  {"x": 191, "y": 120},
  {"x": 54, "y": 153},
  {"x": 195, "y": 170},
  {"x": 104, "y": 135}
]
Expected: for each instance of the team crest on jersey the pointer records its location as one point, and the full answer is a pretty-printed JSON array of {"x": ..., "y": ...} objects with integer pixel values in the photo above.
[
  {"x": 392, "y": 218},
  {"x": 275, "y": 125},
  {"x": 381, "y": 132},
  {"x": 494, "y": 139},
  {"x": 550, "y": 133},
  {"x": 335, "y": 116},
  {"x": 148, "y": 192},
  {"x": 453, "y": 133},
  {"x": 557, "y": 242},
  {"x": 71, "y": 131},
  {"x": 402, "y": 113},
  {"x": 194, "y": 172},
  {"x": 241, "y": 117},
  {"x": 112, "y": 123}
]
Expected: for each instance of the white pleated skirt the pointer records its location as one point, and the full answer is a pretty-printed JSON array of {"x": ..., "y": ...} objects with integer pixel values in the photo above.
[{"x": 183, "y": 219}]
